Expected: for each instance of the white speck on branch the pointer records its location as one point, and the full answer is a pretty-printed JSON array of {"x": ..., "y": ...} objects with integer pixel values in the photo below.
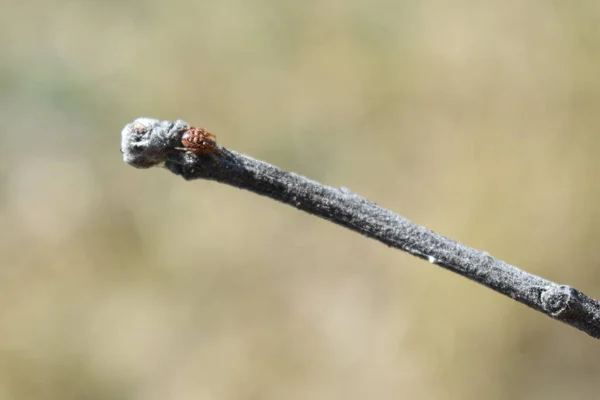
[{"x": 149, "y": 142}]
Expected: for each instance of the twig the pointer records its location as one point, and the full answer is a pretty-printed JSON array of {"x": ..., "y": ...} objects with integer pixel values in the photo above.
[{"x": 148, "y": 142}]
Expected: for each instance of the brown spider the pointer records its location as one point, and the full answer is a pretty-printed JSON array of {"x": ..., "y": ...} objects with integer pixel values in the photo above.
[{"x": 199, "y": 141}]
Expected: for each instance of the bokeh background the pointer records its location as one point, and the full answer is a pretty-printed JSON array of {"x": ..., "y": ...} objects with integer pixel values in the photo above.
[{"x": 477, "y": 119}]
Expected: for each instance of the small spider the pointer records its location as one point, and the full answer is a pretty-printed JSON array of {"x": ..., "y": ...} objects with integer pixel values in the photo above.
[{"x": 199, "y": 141}]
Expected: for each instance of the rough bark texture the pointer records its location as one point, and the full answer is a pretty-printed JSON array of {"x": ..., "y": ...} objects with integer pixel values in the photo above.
[{"x": 148, "y": 142}]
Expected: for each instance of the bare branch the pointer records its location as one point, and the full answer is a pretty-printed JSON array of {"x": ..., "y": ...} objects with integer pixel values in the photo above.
[{"x": 148, "y": 142}]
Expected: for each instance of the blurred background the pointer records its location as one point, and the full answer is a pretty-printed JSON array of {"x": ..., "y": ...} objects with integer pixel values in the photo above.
[{"x": 477, "y": 119}]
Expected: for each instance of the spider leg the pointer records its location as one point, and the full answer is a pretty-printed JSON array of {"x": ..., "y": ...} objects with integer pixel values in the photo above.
[
  {"x": 214, "y": 157},
  {"x": 190, "y": 149}
]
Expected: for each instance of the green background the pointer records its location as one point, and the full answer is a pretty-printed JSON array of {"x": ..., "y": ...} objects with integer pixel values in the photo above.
[{"x": 477, "y": 119}]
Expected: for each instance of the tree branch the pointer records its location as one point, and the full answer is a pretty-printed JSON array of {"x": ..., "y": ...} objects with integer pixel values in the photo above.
[{"x": 148, "y": 142}]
